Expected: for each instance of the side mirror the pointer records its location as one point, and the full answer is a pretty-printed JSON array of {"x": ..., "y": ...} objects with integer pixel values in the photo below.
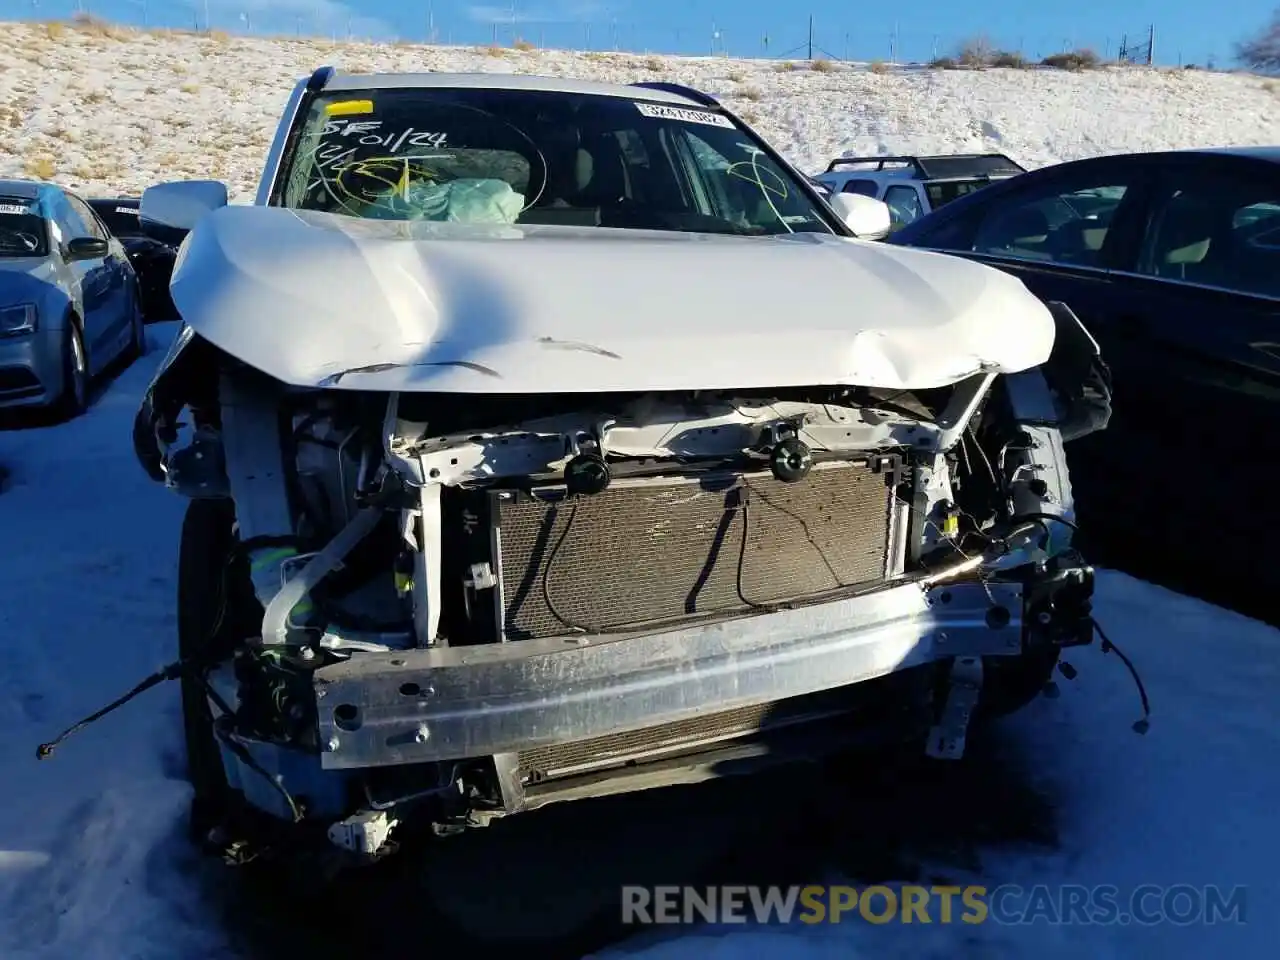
[
  {"x": 87, "y": 248},
  {"x": 180, "y": 204},
  {"x": 869, "y": 219}
]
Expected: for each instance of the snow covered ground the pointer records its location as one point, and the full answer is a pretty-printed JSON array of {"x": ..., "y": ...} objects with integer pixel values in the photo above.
[
  {"x": 90, "y": 861},
  {"x": 104, "y": 110},
  {"x": 92, "y": 864}
]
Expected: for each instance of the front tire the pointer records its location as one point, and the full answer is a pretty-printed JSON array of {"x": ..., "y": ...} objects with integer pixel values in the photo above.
[
  {"x": 211, "y": 619},
  {"x": 74, "y": 399}
]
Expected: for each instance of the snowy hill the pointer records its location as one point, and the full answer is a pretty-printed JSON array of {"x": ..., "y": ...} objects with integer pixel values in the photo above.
[{"x": 108, "y": 110}]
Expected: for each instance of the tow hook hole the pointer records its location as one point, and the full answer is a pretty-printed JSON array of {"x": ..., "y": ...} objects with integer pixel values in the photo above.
[
  {"x": 346, "y": 716},
  {"x": 410, "y": 690},
  {"x": 998, "y": 617}
]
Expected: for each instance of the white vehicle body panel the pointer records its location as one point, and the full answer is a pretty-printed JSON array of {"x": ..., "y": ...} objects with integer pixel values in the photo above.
[{"x": 317, "y": 299}]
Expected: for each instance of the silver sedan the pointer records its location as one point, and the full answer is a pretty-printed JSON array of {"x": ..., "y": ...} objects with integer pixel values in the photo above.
[{"x": 69, "y": 302}]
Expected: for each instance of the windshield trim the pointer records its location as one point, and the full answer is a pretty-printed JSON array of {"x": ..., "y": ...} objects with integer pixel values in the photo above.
[{"x": 302, "y": 109}]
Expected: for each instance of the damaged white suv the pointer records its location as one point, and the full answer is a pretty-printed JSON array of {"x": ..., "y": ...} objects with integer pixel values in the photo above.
[{"x": 548, "y": 439}]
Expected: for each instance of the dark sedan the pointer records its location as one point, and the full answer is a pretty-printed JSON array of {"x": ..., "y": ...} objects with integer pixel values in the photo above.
[
  {"x": 1172, "y": 260},
  {"x": 151, "y": 251}
]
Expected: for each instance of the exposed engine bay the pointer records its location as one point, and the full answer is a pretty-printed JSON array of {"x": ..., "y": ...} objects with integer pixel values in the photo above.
[{"x": 478, "y": 604}]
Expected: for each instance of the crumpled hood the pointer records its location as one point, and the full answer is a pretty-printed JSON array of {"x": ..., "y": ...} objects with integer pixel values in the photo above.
[{"x": 319, "y": 299}]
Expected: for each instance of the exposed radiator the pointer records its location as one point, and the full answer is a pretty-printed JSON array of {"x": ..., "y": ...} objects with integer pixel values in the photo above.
[{"x": 671, "y": 549}]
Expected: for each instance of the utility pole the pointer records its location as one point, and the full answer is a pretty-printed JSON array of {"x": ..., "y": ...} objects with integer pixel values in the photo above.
[
  {"x": 1151, "y": 45},
  {"x": 810, "y": 37}
]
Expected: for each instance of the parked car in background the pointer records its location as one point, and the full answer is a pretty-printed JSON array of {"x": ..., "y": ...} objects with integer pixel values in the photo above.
[
  {"x": 1172, "y": 260},
  {"x": 152, "y": 252},
  {"x": 913, "y": 186},
  {"x": 69, "y": 303}
]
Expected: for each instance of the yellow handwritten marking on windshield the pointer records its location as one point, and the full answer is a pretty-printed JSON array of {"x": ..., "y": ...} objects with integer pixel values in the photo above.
[
  {"x": 757, "y": 176},
  {"x": 380, "y": 181},
  {"x": 348, "y": 108}
]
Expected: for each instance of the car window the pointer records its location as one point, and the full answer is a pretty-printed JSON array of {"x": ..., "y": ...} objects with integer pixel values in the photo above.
[
  {"x": 92, "y": 228},
  {"x": 540, "y": 157},
  {"x": 1219, "y": 232},
  {"x": 65, "y": 223},
  {"x": 22, "y": 229},
  {"x": 868, "y": 188},
  {"x": 1052, "y": 222},
  {"x": 942, "y": 192},
  {"x": 904, "y": 206},
  {"x": 744, "y": 188},
  {"x": 121, "y": 220}
]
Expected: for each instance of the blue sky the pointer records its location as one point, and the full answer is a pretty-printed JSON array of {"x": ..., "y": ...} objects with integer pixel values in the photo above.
[{"x": 1186, "y": 30}]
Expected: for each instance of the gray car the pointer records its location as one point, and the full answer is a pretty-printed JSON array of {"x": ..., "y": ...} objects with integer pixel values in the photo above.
[{"x": 69, "y": 303}]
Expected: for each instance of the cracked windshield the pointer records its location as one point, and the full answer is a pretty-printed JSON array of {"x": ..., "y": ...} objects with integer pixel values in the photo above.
[{"x": 541, "y": 158}]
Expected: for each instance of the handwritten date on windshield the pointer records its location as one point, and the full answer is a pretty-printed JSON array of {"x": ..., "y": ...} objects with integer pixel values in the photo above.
[{"x": 371, "y": 133}]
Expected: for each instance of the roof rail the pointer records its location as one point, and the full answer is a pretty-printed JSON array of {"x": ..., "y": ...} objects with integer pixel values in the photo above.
[
  {"x": 320, "y": 78},
  {"x": 680, "y": 90},
  {"x": 921, "y": 163},
  {"x": 878, "y": 161}
]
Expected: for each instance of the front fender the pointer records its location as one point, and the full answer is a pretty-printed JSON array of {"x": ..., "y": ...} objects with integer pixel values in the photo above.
[{"x": 183, "y": 378}]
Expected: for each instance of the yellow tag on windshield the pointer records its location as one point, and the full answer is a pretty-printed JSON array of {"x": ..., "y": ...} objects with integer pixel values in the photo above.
[{"x": 349, "y": 108}]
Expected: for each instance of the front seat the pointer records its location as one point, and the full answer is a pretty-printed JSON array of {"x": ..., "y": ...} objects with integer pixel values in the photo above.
[{"x": 601, "y": 173}]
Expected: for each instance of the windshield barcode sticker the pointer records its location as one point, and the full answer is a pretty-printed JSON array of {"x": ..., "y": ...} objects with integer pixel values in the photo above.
[
  {"x": 661, "y": 111},
  {"x": 13, "y": 208}
]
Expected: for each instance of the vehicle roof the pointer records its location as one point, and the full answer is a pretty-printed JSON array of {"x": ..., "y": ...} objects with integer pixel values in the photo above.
[
  {"x": 1269, "y": 154},
  {"x": 25, "y": 189},
  {"x": 1261, "y": 154},
  {"x": 503, "y": 81}
]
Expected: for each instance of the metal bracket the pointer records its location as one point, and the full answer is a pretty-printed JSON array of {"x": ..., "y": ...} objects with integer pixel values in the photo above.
[
  {"x": 426, "y": 568},
  {"x": 365, "y": 833},
  {"x": 507, "y": 768},
  {"x": 947, "y": 738}
]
